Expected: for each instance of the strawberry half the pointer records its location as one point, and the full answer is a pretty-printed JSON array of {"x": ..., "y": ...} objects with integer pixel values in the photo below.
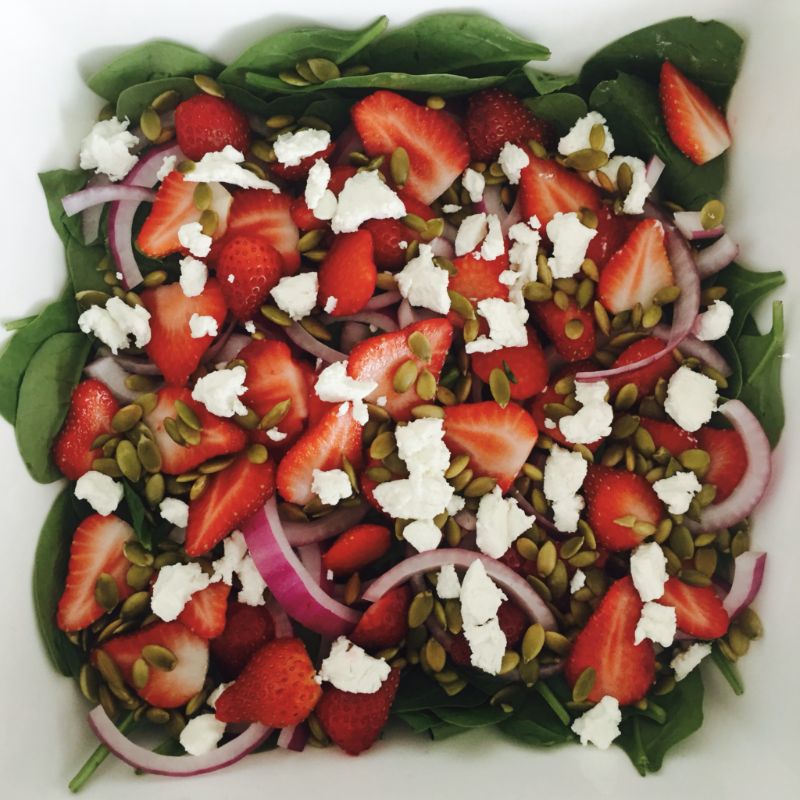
[
  {"x": 303, "y": 216},
  {"x": 477, "y": 279},
  {"x": 728, "y": 459},
  {"x": 206, "y": 124},
  {"x": 612, "y": 232},
  {"x": 645, "y": 378},
  {"x": 698, "y": 609},
  {"x": 622, "y": 669},
  {"x": 247, "y": 630},
  {"x": 696, "y": 126},
  {"x": 671, "y": 437},
  {"x": 248, "y": 267},
  {"x": 436, "y": 145},
  {"x": 299, "y": 172},
  {"x": 497, "y": 440},
  {"x": 385, "y": 622},
  {"x": 96, "y": 549},
  {"x": 553, "y": 321},
  {"x": 527, "y": 367},
  {"x": 348, "y": 273},
  {"x": 387, "y": 234},
  {"x": 356, "y": 548},
  {"x": 204, "y": 614},
  {"x": 171, "y": 347},
  {"x": 91, "y": 408}
]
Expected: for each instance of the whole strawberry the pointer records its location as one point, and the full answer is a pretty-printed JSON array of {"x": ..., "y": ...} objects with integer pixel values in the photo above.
[
  {"x": 206, "y": 124},
  {"x": 247, "y": 269}
]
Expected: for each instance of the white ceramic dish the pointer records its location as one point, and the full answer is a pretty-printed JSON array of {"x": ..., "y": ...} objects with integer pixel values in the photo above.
[{"x": 747, "y": 744}]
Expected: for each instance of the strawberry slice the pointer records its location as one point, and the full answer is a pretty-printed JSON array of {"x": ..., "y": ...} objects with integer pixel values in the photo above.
[
  {"x": 356, "y": 548},
  {"x": 477, "y": 279},
  {"x": 613, "y": 494},
  {"x": 276, "y": 688},
  {"x": 436, "y": 145},
  {"x": 527, "y": 367},
  {"x": 348, "y": 273},
  {"x": 164, "y": 689},
  {"x": 96, "y": 549},
  {"x": 728, "y": 459},
  {"x": 553, "y": 322},
  {"x": 645, "y": 378},
  {"x": 299, "y": 172},
  {"x": 671, "y": 437},
  {"x": 217, "y": 436},
  {"x": 698, "y": 609},
  {"x": 497, "y": 440},
  {"x": 545, "y": 188},
  {"x": 612, "y": 232},
  {"x": 320, "y": 447},
  {"x": 387, "y": 234},
  {"x": 207, "y": 124},
  {"x": 248, "y": 268},
  {"x": 303, "y": 216},
  {"x": 622, "y": 669},
  {"x": 91, "y": 408},
  {"x": 247, "y": 630},
  {"x": 367, "y": 485},
  {"x": 171, "y": 347},
  {"x": 204, "y": 614},
  {"x": 379, "y": 357},
  {"x": 174, "y": 207},
  {"x": 696, "y": 126},
  {"x": 637, "y": 270},
  {"x": 385, "y": 622},
  {"x": 230, "y": 498}
]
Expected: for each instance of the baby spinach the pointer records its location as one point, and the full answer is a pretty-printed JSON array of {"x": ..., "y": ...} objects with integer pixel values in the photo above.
[
  {"x": 58, "y": 183},
  {"x": 535, "y": 723},
  {"x": 148, "y": 528},
  {"x": 479, "y": 717},
  {"x": 561, "y": 109},
  {"x": 547, "y": 82},
  {"x": 135, "y": 98},
  {"x": 82, "y": 261}
]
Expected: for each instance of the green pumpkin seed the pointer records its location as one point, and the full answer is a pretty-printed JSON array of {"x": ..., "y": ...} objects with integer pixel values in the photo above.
[
  {"x": 166, "y": 559},
  {"x": 624, "y": 179},
  {"x": 159, "y": 657},
  {"x": 275, "y": 415},
  {"x": 189, "y": 435},
  {"x": 509, "y": 662},
  {"x": 705, "y": 560},
  {"x": 264, "y": 151},
  {"x": 571, "y": 547},
  {"x": 107, "y": 701},
  {"x": 150, "y": 124},
  {"x": 426, "y": 385},
  {"x": 109, "y": 630},
  {"x": 310, "y": 240},
  {"x": 561, "y": 299},
  {"x": 626, "y": 397},
  {"x": 584, "y": 294},
  {"x": 453, "y": 688},
  {"x": 643, "y": 529},
  {"x": 624, "y": 426},
  {"x": 108, "y": 466},
  {"x": 460, "y": 481},
  {"x": 135, "y": 606},
  {"x": 500, "y": 387},
  {"x": 588, "y": 217},
  {"x": 694, "y": 578},
  {"x": 536, "y": 292},
  {"x": 546, "y": 559},
  {"x": 352, "y": 589},
  {"x": 601, "y": 317},
  {"x": 559, "y": 579},
  {"x": 557, "y": 642},
  {"x": 257, "y": 454},
  {"x": 108, "y": 669},
  {"x": 206, "y": 84},
  {"x": 651, "y": 317},
  {"x": 533, "y": 472},
  {"x": 215, "y": 465},
  {"x": 149, "y": 455},
  {"x": 198, "y": 487},
  {"x": 470, "y": 330},
  {"x": 532, "y": 642},
  {"x": 463, "y": 388},
  {"x": 539, "y": 501},
  {"x": 420, "y": 345},
  {"x": 446, "y": 264},
  {"x": 452, "y": 532},
  {"x": 708, "y": 296},
  {"x": 583, "y": 559},
  {"x": 395, "y": 464},
  {"x": 584, "y": 685},
  {"x": 586, "y": 160},
  {"x": 209, "y": 220},
  {"x": 405, "y": 376},
  {"x": 126, "y": 418},
  {"x": 529, "y": 672},
  {"x": 171, "y": 427},
  {"x": 644, "y": 442},
  {"x": 202, "y": 196},
  {"x": 316, "y": 329},
  {"x": 426, "y": 410},
  {"x": 278, "y": 121},
  {"x": 597, "y": 137},
  {"x": 435, "y": 655},
  {"x": 712, "y": 214},
  {"x": 540, "y": 587},
  {"x": 750, "y": 623},
  {"x": 457, "y": 465},
  {"x": 106, "y": 592},
  {"x": 527, "y": 548},
  {"x": 420, "y": 609},
  {"x": 478, "y": 487},
  {"x": 136, "y": 554},
  {"x": 89, "y": 683},
  {"x": 323, "y": 69},
  {"x": 382, "y": 445},
  {"x": 740, "y": 544},
  {"x": 91, "y": 297},
  {"x": 137, "y": 577},
  {"x": 461, "y": 305},
  {"x": 399, "y": 166}
]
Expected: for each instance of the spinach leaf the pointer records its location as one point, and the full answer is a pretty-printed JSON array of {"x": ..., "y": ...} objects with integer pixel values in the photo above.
[
  {"x": 149, "y": 62},
  {"x": 49, "y": 573},
  {"x": 472, "y": 44},
  {"x": 535, "y": 724},
  {"x": 727, "y": 348},
  {"x": 444, "y": 731},
  {"x": 547, "y": 82},
  {"x": 709, "y": 53},
  {"x": 633, "y": 111},
  {"x": 18, "y": 324},
  {"x": 44, "y": 395},
  {"x": 135, "y": 98},
  {"x": 727, "y": 670},
  {"x": 418, "y": 692},
  {"x": 57, "y": 184},
  {"x": 82, "y": 261},
  {"x": 561, "y": 109},
  {"x": 149, "y": 529},
  {"x": 479, "y": 717},
  {"x": 419, "y": 721}
]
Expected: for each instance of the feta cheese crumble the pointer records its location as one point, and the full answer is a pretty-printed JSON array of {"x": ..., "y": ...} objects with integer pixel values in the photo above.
[
  {"x": 113, "y": 324},
  {"x": 102, "y": 492},
  {"x": 319, "y": 177},
  {"x": 522, "y": 257},
  {"x": 194, "y": 275},
  {"x": 191, "y": 237},
  {"x": 474, "y": 183},
  {"x": 422, "y": 535},
  {"x": 513, "y": 160},
  {"x": 578, "y": 136},
  {"x": 416, "y": 497},
  {"x": 714, "y": 322},
  {"x": 564, "y": 473},
  {"x": 484, "y": 230},
  {"x": 691, "y": 398},
  {"x": 657, "y": 623},
  {"x": 201, "y": 734},
  {"x": 296, "y": 294},
  {"x": 175, "y": 584},
  {"x": 506, "y": 326},
  {"x": 600, "y": 724},
  {"x": 334, "y": 385},
  {"x": 167, "y": 166},
  {"x": 451, "y": 208},
  {"x": 578, "y": 581},
  {"x": 500, "y": 522},
  {"x": 593, "y": 420},
  {"x": 224, "y": 166},
  {"x": 570, "y": 238},
  {"x": 487, "y": 644},
  {"x": 649, "y": 571},
  {"x": 424, "y": 284},
  {"x": 331, "y": 485},
  {"x": 480, "y": 600},
  {"x": 253, "y": 585},
  {"x": 640, "y": 188},
  {"x": 200, "y": 326},
  {"x": 685, "y": 662},
  {"x": 174, "y": 511},
  {"x": 220, "y": 391},
  {"x": 677, "y": 491},
  {"x": 421, "y": 446},
  {"x": 330, "y": 304},
  {"x": 274, "y": 435},
  {"x": 291, "y": 148},
  {"x": 106, "y": 149},
  {"x": 365, "y": 196},
  {"x": 448, "y": 587},
  {"x": 350, "y": 669},
  {"x": 234, "y": 551}
]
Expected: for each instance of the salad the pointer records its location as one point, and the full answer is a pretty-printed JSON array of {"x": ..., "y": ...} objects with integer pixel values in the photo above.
[{"x": 396, "y": 378}]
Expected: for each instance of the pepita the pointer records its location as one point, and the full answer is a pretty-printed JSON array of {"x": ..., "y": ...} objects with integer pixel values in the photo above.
[
  {"x": 740, "y": 543},
  {"x": 383, "y": 444},
  {"x": 540, "y": 587},
  {"x": 509, "y": 662},
  {"x": 583, "y": 559},
  {"x": 461, "y": 305},
  {"x": 461, "y": 480},
  {"x": 137, "y": 577},
  {"x": 425, "y": 410},
  {"x": 624, "y": 178},
  {"x": 651, "y": 317},
  {"x": 601, "y": 317},
  {"x": 316, "y": 329},
  {"x": 399, "y": 166},
  {"x": 159, "y": 657},
  {"x": 597, "y": 137},
  {"x": 209, "y": 220},
  {"x": 324, "y": 69},
  {"x": 108, "y": 669},
  {"x": 527, "y": 548},
  {"x": 452, "y": 532},
  {"x": 626, "y": 397},
  {"x": 89, "y": 682},
  {"x": 171, "y": 427},
  {"x": 712, "y": 214},
  {"x": 134, "y": 606},
  {"x": 536, "y": 292},
  {"x": 751, "y": 624},
  {"x": 106, "y": 591},
  {"x": 426, "y": 385},
  {"x": 199, "y": 486},
  {"x": 352, "y": 589},
  {"x": 478, "y": 487},
  {"x": 150, "y": 124},
  {"x": 126, "y": 418},
  {"x": 207, "y": 84},
  {"x": 420, "y": 609},
  {"x": 256, "y": 454},
  {"x": 140, "y": 673},
  {"x": 457, "y": 465},
  {"x": 624, "y": 426},
  {"x": 556, "y": 642},
  {"x": 698, "y": 461},
  {"x": 586, "y": 160},
  {"x": 694, "y": 578},
  {"x": 149, "y": 455},
  {"x": 202, "y": 196},
  {"x": 571, "y": 547},
  {"x": 705, "y": 560},
  {"x": 405, "y": 376},
  {"x": 584, "y": 685},
  {"x": 546, "y": 559},
  {"x": 189, "y": 435},
  {"x": 435, "y": 655}
]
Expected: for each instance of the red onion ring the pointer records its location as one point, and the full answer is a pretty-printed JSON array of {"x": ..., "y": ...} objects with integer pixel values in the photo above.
[
  {"x": 352, "y": 334},
  {"x": 381, "y": 321},
  {"x": 303, "y": 533},
  {"x": 107, "y": 370},
  {"x": 442, "y": 247},
  {"x": 306, "y": 342},
  {"x": 409, "y": 315},
  {"x": 716, "y": 256},
  {"x": 293, "y": 738},
  {"x": 280, "y": 619},
  {"x": 688, "y": 223},
  {"x": 382, "y": 300},
  {"x": 655, "y": 166},
  {"x": 466, "y": 520},
  {"x": 748, "y": 573},
  {"x": 311, "y": 558},
  {"x": 692, "y": 346},
  {"x": 97, "y": 195},
  {"x": 138, "y": 366}
]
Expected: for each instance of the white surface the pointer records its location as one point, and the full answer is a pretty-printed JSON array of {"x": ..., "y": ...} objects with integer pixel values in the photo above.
[{"x": 747, "y": 745}]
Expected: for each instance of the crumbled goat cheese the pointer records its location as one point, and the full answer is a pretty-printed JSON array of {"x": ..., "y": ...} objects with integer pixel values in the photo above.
[
  {"x": 201, "y": 734},
  {"x": 471, "y": 232},
  {"x": 448, "y": 587},
  {"x": 570, "y": 238},
  {"x": 578, "y": 581},
  {"x": 649, "y": 571},
  {"x": 513, "y": 160},
  {"x": 600, "y": 724},
  {"x": 685, "y": 662},
  {"x": 330, "y": 304},
  {"x": 564, "y": 473},
  {"x": 487, "y": 645},
  {"x": 253, "y": 585},
  {"x": 474, "y": 183},
  {"x": 167, "y": 166},
  {"x": 657, "y": 623},
  {"x": 640, "y": 188},
  {"x": 231, "y": 278},
  {"x": 291, "y": 148},
  {"x": 224, "y": 166},
  {"x": 106, "y": 149},
  {"x": 101, "y": 492},
  {"x": 273, "y": 434},
  {"x": 506, "y": 326},
  {"x": 174, "y": 511},
  {"x": 415, "y": 497},
  {"x": 191, "y": 237},
  {"x": 319, "y": 177},
  {"x": 326, "y": 207},
  {"x": 455, "y": 505},
  {"x": 420, "y": 444},
  {"x": 714, "y": 322},
  {"x": 194, "y": 275},
  {"x": 382, "y": 401},
  {"x": 365, "y": 196},
  {"x": 522, "y": 255},
  {"x": 331, "y": 485},
  {"x": 500, "y": 522},
  {"x": 677, "y": 491},
  {"x": 494, "y": 245},
  {"x": 422, "y": 535},
  {"x": 200, "y": 326},
  {"x": 451, "y": 208},
  {"x": 211, "y": 700},
  {"x": 691, "y": 398},
  {"x": 424, "y": 284},
  {"x": 578, "y": 136},
  {"x": 234, "y": 551},
  {"x": 220, "y": 391},
  {"x": 334, "y": 385},
  {"x": 115, "y": 323},
  {"x": 593, "y": 420},
  {"x": 480, "y": 596},
  {"x": 250, "y": 326},
  {"x": 350, "y": 669},
  {"x": 296, "y": 294},
  {"x": 174, "y": 586}
]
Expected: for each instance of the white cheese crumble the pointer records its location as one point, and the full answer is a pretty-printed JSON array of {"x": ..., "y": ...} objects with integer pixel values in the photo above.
[
  {"x": 421, "y": 445},
  {"x": 480, "y": 601},
  {"x": 691, "y": 398},
  {"x": 365, "y": 196},
  {"x": 471, "y": 232},
  {"x": 500, "y": 522},
  {"x": 455, "y": 505},
  {"x": 564, "y": 473},
  {"x": 250, "y": 326},
  {"x": 319, "y": 177},
  {"x": 578, "y": 136},
  {"x": 600, "y": 724},
  {"x": 593, "y": 420},
  {"x": 224, "y": 166},
  {"x": 194, "y": 275},
  {"x": 570, "y": 238},
  {"x": 191, "y": 237},
  {"x": 167, "y": 166},
  {"x": 522, "y": 257},
  {"x": 234, "y": 551},
  {"x": 350, "y": 669},
  {"x": 677, "y": 491},
  {"x": 474, "y": 183},
  {"x": 296, "y": 294},
  {"x": 174, "y": 586},
  {"x": 330, "y": 304},
  {"x": 291, "y": 148},
  {"x": 422, "y": 535},
  {"x": 334, "y": 385},
  {"x": 331, "y": 485},
  {"x": 424, "y": 284},
  {"x": 506, "y": 326},
  {"x": 113, "y": 324},
  {"x": 494, "y": 245},
  {"x": 253, "y": 585},
  {"x": 487, "y": 644},
  {"x": 174, "y": 511},
  {"x": 275, "y": 435},
  {"x": 415, "y": 497},
  {"x": 649, "y": 571},
  {"x": 578, "y": 581},
  {"x": 200, "y": 326},
  {"x": 513, "y": 160},
  {"x": 448, "y": 587},
  {"x": 220, "y": 391},
  {"x": 106, "y": 149},
  {"x": 451, "y": 208},
  {"x": 657, "y": 623},
  {"x": 102, "y": 492},
  {"x": 683, "y": 663},
  {"x": 640, "y": 188},
  {"x": 714, "y": 322},
  {"x": 201, "y": 734}
]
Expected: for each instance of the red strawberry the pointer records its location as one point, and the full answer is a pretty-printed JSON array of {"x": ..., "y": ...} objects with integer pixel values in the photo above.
[
  {"x": 553, "y": 322},
  {"x": 647, "y": 377},
  {"x": 276, "y": 688},
  {"x": 96, "y": 549},
  {"x": 385, "y": 622},
  {"x": 320, "y": 447},
  {"x": 622, "y": 669},
  {"x": 612, "y": 231},
  {"x": 527, "y": 365},
  {"x": 299, "y": 172},
  {"x": 379, "y": 357},
  {"x": 696, "y": 126},
  {"x": 513, "y": 623},
  {"x": 174, "y": 207},
  {"x": 728, "y": 459},
  {"x": 348, "y": 273},
  {"x": 303, "y": 216},
  {"x": 367, "y": 485},
  {"x": 497, "y": 440},
  {"x": 494, "y": 117},
  {"x": 356, "y": 548},
  {"x": 637, "y": 270},
  {"x": 247, "y": 629},
  {"x": 545, "y": 187},
  {"x": 91, "y": 408},
  {"x": 247, "y": 269},
  {"x": 387, "y": 234},
  {"x": 669, "y": 436},
  {"x": 204, "y": 614},
  {"x": 164, "y": 689},
  {"x": 698, "y": 609},
  {"x": 230, "y": 498},
  {"x": 355, "y": 721},
  {"x": 436, "y": 146},
  {"x": 206, "y": 124},
  {"x": 477, "y": 279},
  {"x": 172, "y": 348},
  {"x": 611, "y": 494},
  {"x": 217, "y": 437}
]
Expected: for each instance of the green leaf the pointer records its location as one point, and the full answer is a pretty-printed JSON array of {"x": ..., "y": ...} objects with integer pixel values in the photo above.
[
  {"x": 135, "y": 98},
  {"x": 149, "y": 62},
  {"x": 633, "y": 111},
  {"x": 58, "y": 183},
  {"x": 444, "y": 731},
  {"x": 547, "y": 82},
  {"x": 478, "y": 717},
  {"x": 561, "y": 109},
  {"x": 418, "y": 692},
  {"x": 419, "y": 721},
  {"x": 44, "y": 396},
  {"x": 149, "y": 529},
  {"x": 709, "y": 53},
  {"x": 728, "y": 670},
  {"x": 535, "y": 724},
  {"x": 728, "y": 351},
  {"x": 49, "y": 574},
  {"x": 18, "y": 324},
  {"x": 82, "y": 262}
]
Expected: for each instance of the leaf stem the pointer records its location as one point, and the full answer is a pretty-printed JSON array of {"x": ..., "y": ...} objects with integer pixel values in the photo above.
[
  {"x": 97, "y": 757},
  {"x": 555, "y": 704},
  {"x": 728, "y": 670}
]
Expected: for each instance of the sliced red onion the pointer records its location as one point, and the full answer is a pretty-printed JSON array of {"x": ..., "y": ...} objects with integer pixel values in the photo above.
[
  {"x": 90, "y": 224},
  {"x": 748, "y": 573},
  {"x": 145, "y": 172},
  {"x": 352, "y": 334},
  {"x": 174, "y": 766},
  {"x": 655, "y": 166},
  {"x": 716, "y": 256},
  {"x": 303, "y": 533},
  {"x": 442, "y": 247},
  {"x": 227, "y": 346},
  {"x": 744, "y": 498},
  {"x": 280, "y": 619},
  {"x": 311, "y": 558},
  {"x": 289, "y": 581},
  {"x": 293, "y": 738},
  {"x": 306, "y": 342},
  {"x": 684, "y": 311},
  {"x": 531, "y": 511},
  {"x": 466, "y": 520},
  {"x": 107, "y": 370},
  {"x": 513, "y": 217},
  {"x": 135, "y": 364},
  {"x": 688, "y": 223},
  {"x": 347, "y": 142},
  {"x": 517, "y": 588},
  {"x": 692, "y": 346},
  {"x": 380, "y": 321},
  {"x": 409, "y": 315},
  {"x": 383, "y": 300},
  {"x": 97, "y": 195}
]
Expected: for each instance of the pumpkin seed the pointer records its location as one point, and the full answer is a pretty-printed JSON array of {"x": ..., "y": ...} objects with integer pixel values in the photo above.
[
  {"x": 383, "y": 444},
  {"x": 91, "y": 297},
  {"x": 588, "y": 217},
  {"x": 740, "y": 544},
  {"x": 529, "y": 672},
  {"x": 311, "y": 121},
  {"x": 460, "y": 481},
  {"x": 509, "y": 662},
  {"x": 705, "y": 538},
  {"x": 571, "y": 547},
  {"x": 150, "y": 124},
  {"x": 275, "y": 415},
  {"x": 461, "y": 305},
  {"x": 546, "y": 559},
  {"x": 205, "y": 83},
  {"x": 454, "y": 687},
  {"x": 426, "y": 385},
  {"x": 395, "y": 464},
  {"x": 584, "y": 293},
  {"x": 463, "y": 388},
  {"x": 420, "y": 609},
  {"x": 310, "y": 240},
  {"x": 708, "y": 296},
  {"x": 257, "y": 454},
  {"x": 108, "y": 466},
  {"x": 420, "y": 345},
  {"x": 171, "y": 427},
  {"x": 423, "y": 411},
  {"x": 532, "y": 642},
  {"x": 137, "y": 577},
  {"x": 533, "y": 472},
  {"x": 539, "y": 501},
  {"x": 712, "y": 214},
  {"x": 586, "y": 160},
  {"x": 613, "y": 454},
  {"x": 651, "y": 317},
  {"x": 126, "y": 418},
  {"x": 584, "y": 685},
  {"x": 470, "y": 330},
  {"x": 698, "y": 461},
  {"x": 694, "y": 578},
  {"x": 457, "y": 465},
  {"x": 189, "y": 435},
  {"x": 166, "y": 559},
  {"x": 705, "y": 560},
  {"x": 159, "y": 657},
  {"x": 597, "y": 137},
  {"x": 136, "y": 554},
  {"x": 624, "y": 179},
  {"x": 202, "y": 196},
  {"x": 626, "y": 397},
  {"x": 557, "y": 642},
  {"x": 500, "y": 387},
  {"x": 561, "y": 299},
  {"x": 540, "y": 587},
  {"x": 558, "y": 579},
  {"x": 478, "y": 487},
  {"x": 445, "y": 396},
  {"x": 643, "y": 529},
  {"x": 536, "y": 292},
  {"x": 140, "y": 673},
  {"x": 149, "y": 455},
  {"x": 209, "y": 220},
  {"x": 601, "y": 317},
  {"x": 215, "y": 465},
  {"x": 644, "y": 442},
  {"x": 108, "y": 669},
  {"x": 583, "y": 559},
  {"x": 526, "y": 548},
  {"x": 624, "y": 426},
  {"x": 106, "y": 592},
  {"x": 89, "y": 682},
  {"x": 134, "y": 606},
  {"x": 323, "y": 69},
  {"x": 405, "y": 376},
  {"x": 750, "y": 623},
  {"x": 452, "y": 532},
  {"x": 198, "y": 487},
  {"x": 352, "y": 589},
  {"x": 264, "y": 151},
  {"x": 278, "y": 121},
  {"x": 435, "y": 655},
  {"x": 399, "y": 166}
]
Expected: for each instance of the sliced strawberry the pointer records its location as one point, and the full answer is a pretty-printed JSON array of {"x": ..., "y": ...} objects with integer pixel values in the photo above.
[
  {"x": 671, "y": 437},
  {"x": 645, "y": 378},
  {"x": 247, "y": 629},
  {"x": 477, "y": 279},
  {"x": 355, "y": 721},
  {"x": 206, "y": 124},
  {"x": 276, "y": 688},
  {"x": 623, "y": 670},
  {"x": 204, "y": 614},
  {"x": 230, "y": 498},
  {"x": 320, "y": 447},
  {"x": 527, "y": 367},
  {"x": 367, "y": 485},
  {"x": 696, "y": 126},
  {"x": 174, "y": 207},
  {"x": 348, "y": 273},
  {"x": 545, "y": 188},
  {"x": 164, "y": 689},
  {"x": 379, "y": 357},
  {"x": 728, "y": 459},
  {"x": 637, "y": 270},
  {"x": 171, "y": 347},
  {"x": 356, "y": 548},
  {"x": 553, "y": 322},
  {"x": 303, "y": 216},
  {"x": 436, "y": 145},
  {"x": 299, "y": 172},
  {"x": 497, "y": 440},
  {"x": 91, "y": 408},
  {"x": 248, "y": 267},
  {"x": 388, "y": 234},
  {"x": 385, "y": 622},
  {"x": 698, "y": 609},
  {"x": 612, "y": 494},
  {"x": 96, "y": 549},
  {"x": 612, "y": 232}
]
